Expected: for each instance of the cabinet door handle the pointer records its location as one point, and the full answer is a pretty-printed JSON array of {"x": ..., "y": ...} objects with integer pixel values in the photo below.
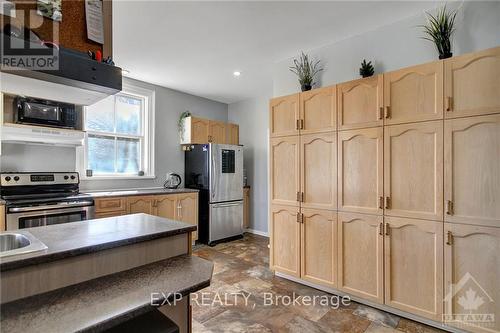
[
  {"x": 449, "y": 238},
  {"x": 387, "y": 112},
  {"x": 387, "y": 202},
  {"x": 179, "y": 210},
  {"x": 449, "y": 207},
  {"x": 381, "y": 229},
  {"x": 297, "y": 124},
  {"x": 381, "y": 113},
  {"x": 387, "y": 229},
  {"x": 449, "y": 104},
  {"x": 298, "y": 196},
  {"x": 301, "y": 196},
  {"x": 381, "y": 202},
  {"x": 301, "y": 124},
  {"x": 298, "y": 217}
]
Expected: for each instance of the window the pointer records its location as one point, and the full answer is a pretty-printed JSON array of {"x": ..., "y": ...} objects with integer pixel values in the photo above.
[{"x": 119, "y": 140}]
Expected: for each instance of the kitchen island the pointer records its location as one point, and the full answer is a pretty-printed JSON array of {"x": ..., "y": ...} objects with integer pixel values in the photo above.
[{"x": 100, "y": 273}]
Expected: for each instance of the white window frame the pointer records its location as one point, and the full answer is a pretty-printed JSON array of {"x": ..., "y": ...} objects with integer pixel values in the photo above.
[{"x": 147, "y": 144}]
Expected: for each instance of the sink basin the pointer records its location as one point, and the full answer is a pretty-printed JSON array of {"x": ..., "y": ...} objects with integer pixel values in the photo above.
[
  {"x": 13, "y": 243},
  {"x": 10, "y": 242}
]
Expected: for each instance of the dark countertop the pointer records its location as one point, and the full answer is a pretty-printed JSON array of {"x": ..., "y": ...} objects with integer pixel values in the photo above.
[
  {"x": 140, "y": 191},
  {"x": 99, "y": 304},
  {"x": 77, "y": 238}
]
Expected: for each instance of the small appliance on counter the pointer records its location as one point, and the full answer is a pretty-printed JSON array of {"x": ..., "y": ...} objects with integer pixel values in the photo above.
[
  {"x": 43, "y": 198},
  {"x": 216, "y": 170},
  {"x": 173, "y": 181}
]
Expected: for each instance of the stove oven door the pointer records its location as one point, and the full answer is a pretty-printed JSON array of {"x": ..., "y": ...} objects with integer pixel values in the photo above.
[{"x": 28, "y": 217}]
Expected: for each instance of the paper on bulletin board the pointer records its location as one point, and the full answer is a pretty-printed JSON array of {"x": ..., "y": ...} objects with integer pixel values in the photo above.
[{"x": 93, "y": 16}]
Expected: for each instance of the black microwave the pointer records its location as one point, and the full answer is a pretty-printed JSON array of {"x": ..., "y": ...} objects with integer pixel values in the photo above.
[{"x": 44, "y": 112}]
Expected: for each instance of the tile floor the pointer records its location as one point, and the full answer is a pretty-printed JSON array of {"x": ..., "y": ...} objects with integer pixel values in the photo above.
[{"x": 242, "y": 282}]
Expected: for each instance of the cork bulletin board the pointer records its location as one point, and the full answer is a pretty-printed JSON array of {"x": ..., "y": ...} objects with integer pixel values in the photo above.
[{"x": 72, "y": 28}]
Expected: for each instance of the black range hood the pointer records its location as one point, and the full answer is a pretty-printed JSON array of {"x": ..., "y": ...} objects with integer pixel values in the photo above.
[{"x": 72, "y": 69}]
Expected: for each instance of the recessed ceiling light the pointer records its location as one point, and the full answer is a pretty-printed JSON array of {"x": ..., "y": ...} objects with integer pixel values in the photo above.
[
  {"x": 236, "y": 73},
  {"x": 125, "y": 72}
]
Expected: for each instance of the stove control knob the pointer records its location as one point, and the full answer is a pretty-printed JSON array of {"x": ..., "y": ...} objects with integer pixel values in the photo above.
[
  {"x": 7, "y": 179},
  {"x": 73, "y": 177},
  {"x": 16, "y": 178},
  {"x": 66, "y": 177}
]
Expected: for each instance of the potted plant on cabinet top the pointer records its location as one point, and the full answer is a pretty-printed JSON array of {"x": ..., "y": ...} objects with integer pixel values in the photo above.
[
  {"x": 440, "y": 29},
  {"x": 306, "y": 70},
  {"x": 366, "y": 69}
]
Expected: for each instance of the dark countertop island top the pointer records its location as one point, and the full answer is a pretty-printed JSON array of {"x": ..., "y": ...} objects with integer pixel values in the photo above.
[
  {"x": 99, "y": 304},
  {"x": 143, "y": 191},
  {"x": 77, "y": 238}
]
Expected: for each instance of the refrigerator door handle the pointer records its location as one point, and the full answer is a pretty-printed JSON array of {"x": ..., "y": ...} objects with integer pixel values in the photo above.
[{"x": 238, "y": 203}]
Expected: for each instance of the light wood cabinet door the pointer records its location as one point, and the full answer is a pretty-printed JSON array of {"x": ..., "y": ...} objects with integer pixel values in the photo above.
[
  {"x": 285, "y": 240},
  {"x": 232, "y": 134},
  {"x": 361, "y": 103},
  {"x": 284, "y": 115},
  {"x": 318, "y": 171},
  {"x": 165, "y": 206},
  {"x": 472, "y": 277},
  {"x": 414, "y": 94},
  {"x": 199, "y": 130},
  {"x": 318, "y": 110},
  {"x": 216, "y": 131},
  {"x": 472, "y": 84},
  {"x": 319, "y": 246},
  {"x": 285, "y": 170},
  {"x": 361, "y": 167},
  {"x": 2, "y": 215},
  {"x": 186, "y": 209},
  {"x": 472, "y": 170},
  {"x": 414, "y": 266},
  {"x": 361, "y": 255},
  {"x": 141, "y": 204},
  {"x": 413, "y": 170}
]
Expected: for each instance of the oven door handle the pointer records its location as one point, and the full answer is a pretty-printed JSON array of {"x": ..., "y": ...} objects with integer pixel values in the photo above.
[{"x": 47, "y": 207}]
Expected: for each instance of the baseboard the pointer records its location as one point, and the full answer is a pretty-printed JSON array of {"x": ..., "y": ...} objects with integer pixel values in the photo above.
[
  {"x": 257, "y": 232},
  {"x": 373, "y": 305}
]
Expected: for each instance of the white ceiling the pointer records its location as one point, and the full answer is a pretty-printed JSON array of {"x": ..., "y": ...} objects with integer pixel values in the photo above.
[{"x": 196, "y": 46}]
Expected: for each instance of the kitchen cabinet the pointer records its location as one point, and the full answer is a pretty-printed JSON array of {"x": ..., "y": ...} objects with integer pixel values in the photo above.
[
  {"x": 110, "y": 204},
  {"x": 216, "y": 131},
  {"x": 414, "y": 266},
  {"x": 414, "y": 94},
  {"x": 413, "y": 170},
  {"x": 472, "y": 170},
  {"x": 165, "y": 206},
  {"x": 232, "y": 134},
  {"x": 317, "y": 112},
  {"x": 360, "y": 171},
  {"x": 318, "y": 159},
  {"x": 246, "y": 207},
  {"x": 187, "y": 209},
  {"x": 472, "y": 273},
  {"x": 319, "y": 246},
  {"x": 361, "y": 255},
  {"x": 285, "y": 239},
  {"x": 284, "y": 116},
  {"x": 472, "y": 84},
  {"x": 141, "y": 204},
  {"x": 194, "y": 130},
  {"x": 361, "y": 103},
  {"x": 2, "y": 217},
  {"x": 284, "y": 170}
]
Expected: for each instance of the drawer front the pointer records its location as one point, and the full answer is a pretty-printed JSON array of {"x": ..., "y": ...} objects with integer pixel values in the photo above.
[{"x": 110, "y": 205}]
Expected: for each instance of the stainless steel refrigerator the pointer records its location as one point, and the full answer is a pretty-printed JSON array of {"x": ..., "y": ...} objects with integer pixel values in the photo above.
[{"x": 216, "y": 170}]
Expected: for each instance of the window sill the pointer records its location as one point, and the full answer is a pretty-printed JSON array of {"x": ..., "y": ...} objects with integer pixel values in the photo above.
[{"x": 116, "y": 178}]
